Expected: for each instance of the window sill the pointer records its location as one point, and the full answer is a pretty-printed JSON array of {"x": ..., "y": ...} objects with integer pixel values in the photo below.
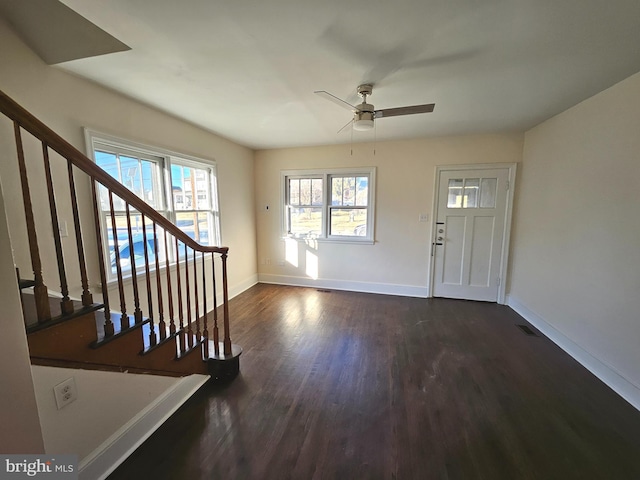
[{"x": 347, "y": 240}]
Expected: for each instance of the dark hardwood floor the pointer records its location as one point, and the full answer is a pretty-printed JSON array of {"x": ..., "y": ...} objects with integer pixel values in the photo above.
[{"x": 341, "y": 385}]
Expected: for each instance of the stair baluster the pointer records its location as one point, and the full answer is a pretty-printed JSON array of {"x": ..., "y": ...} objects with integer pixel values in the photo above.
[
  {"x": 205, "y": 331},
  {"x": 108, "y": 324},
  {"x": 189, "y": 317},
  {"x": 40, "y": 292},
  {"x": 152, "y": 332},
  {"x": 137, "y": 313},
  {"x": 162, "y": 327},
  {"x": 216, "y": 334},
  {"x": 181, "y": 340},
  {"x": 66, "y": 305},
  {"x": 197, "y": 302},
  {"x": 172, "y": 324},
  {"x": 87, "y": 297},
  {"x": 124, "y": 318}
]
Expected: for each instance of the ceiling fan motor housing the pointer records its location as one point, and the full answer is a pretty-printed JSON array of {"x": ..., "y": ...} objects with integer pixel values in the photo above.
[{"x": 365, "y": 108}]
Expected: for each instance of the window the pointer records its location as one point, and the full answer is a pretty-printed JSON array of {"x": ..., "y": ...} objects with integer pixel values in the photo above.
[
  {"x": 330, "y": 204},
  {"x": 349, "y": 205},
  {"x": 472, "y": 193},
  {"x": 194, "y": 205},
  {"x": 305, "y": 205},
  {"x": 181, "y": 188}
]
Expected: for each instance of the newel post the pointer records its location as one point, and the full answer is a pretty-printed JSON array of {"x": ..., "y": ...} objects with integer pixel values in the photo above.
[{"x": 225, "y": 294}]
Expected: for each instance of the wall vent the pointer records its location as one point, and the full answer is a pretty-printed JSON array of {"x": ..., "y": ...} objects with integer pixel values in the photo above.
[{"x": 527, "y": 330}]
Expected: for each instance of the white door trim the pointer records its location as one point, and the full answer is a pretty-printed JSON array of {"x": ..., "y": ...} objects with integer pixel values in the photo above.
[{"x": 504, "y": 257}]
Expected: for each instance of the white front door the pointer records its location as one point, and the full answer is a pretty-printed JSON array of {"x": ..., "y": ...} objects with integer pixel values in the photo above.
[{"x": 470, "y": 233}]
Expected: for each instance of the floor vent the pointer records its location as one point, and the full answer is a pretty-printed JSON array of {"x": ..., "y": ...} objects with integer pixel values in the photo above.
[
  {"x": 527, "y": 330},
  {"x": 323, "y": 290}
]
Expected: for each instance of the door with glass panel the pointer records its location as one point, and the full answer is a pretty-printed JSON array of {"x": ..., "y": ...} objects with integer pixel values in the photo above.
[{"x": 469, "y": 233}]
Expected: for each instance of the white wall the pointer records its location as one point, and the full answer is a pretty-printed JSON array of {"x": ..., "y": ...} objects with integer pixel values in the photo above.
[
  {"x": 66, "y": 104},
  {"x": 576, "y": 239},
  {"x": 106, "y": 401},
  {"x": 20, "y": 432},
  {"x": 398, "y": 261}
]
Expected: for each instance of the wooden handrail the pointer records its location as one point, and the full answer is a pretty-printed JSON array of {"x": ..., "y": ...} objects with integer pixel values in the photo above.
[{"x": 39, "y": 130}]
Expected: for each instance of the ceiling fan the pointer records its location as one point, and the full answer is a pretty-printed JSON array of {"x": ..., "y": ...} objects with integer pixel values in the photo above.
[{"x": 364, "y": 113}]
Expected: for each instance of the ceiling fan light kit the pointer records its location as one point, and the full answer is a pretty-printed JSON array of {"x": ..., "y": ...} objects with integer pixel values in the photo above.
[
  {"x": 363, "y": 121},
  {"x": 364, "y": 114}
]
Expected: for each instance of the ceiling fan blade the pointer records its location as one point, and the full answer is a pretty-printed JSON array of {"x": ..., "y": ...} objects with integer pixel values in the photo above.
[
  {"x": 336, "y": 100},
  {"x": 394, "y": 112},
  {"x": 348, "y": 124}
]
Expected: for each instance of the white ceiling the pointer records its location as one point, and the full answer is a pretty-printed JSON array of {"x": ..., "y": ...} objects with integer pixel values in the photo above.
[{"x": 247, "y": 69}]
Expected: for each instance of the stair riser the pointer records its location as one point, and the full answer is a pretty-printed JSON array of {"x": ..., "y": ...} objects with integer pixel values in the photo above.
[{"x": 70, "y": 341}]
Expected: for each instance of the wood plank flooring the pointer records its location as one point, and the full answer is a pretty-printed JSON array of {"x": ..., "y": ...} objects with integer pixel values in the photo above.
[{"x": 343, "y": 385}]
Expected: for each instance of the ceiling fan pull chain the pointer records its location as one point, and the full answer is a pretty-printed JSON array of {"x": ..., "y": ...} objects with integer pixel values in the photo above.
[
  {"x": 352, "y": 140},
  {"x": 375, "y": 138}
]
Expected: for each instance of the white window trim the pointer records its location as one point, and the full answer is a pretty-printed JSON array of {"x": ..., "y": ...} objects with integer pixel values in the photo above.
[
  {"x": 93, "y": 137},
  {"x": 326, "y": 173}
]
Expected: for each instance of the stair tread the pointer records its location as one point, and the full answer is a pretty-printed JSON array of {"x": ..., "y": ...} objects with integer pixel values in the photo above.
[
  {"x": 118, "y": 331},
  {"x": 195, "y": 344},
  {"x": 236, "y": 351},
  {"x": 146, "y": 330},
  {"x": 31, "y": 318},
  {"x": 180, "y": 353},
  {"x": 26, "y": 283}
]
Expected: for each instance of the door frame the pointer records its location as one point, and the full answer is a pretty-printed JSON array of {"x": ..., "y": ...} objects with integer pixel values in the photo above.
[{"x": 506, "y": 234}]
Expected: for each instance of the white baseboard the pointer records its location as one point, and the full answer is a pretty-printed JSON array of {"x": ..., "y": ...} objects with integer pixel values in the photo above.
[
  {"x": 113, "y": 451},
  {"x": 354, "y": 286},
  {"x": 619, "y": 384},
  {"x": 234, "y": 291},
  {"x": 238, "y": 288}
]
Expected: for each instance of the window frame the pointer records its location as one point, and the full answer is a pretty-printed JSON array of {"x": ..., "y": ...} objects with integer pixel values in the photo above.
[
  {"x": 165, "y": 160},
  {"x": 213, "y": 212},
  {"x": 326, "y": 174}
]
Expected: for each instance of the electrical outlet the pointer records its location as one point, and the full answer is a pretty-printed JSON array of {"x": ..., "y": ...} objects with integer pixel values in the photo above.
[
  {"x": 423, "y": 217},
  {"x": 65, "y": 392}
]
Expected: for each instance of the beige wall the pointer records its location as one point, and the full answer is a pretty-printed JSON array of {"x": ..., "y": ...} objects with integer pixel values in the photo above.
[
  {"x": 398, "y": 261},
  {"x": 20, "y": 432},
  {"x": 576, "y": 243},
  {"x": 67, "y": 104}
]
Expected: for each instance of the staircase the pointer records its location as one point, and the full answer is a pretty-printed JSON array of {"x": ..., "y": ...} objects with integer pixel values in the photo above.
[{"x": 169, "y": 304}]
